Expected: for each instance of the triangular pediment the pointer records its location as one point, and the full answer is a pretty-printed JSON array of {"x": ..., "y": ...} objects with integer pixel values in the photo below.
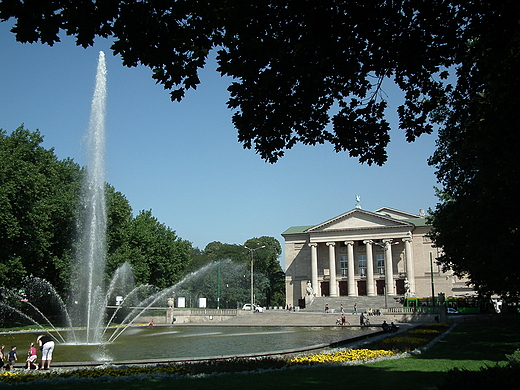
[{"x": 357, "y": 219}]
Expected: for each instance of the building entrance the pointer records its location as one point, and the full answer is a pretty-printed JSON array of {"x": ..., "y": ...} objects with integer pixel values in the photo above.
[
  {"x": 362, "y": 287},
  {"x": 380, "y": 287},
  {"x": 343, "y": 288},
  {"x": 399, "y": 287},
  {"x": 325, "y": 289}
]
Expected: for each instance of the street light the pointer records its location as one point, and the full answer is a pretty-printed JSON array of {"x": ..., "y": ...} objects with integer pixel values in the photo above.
[
  {"x": 251, "y": 251},
  {"x": 218, "y": 285}
]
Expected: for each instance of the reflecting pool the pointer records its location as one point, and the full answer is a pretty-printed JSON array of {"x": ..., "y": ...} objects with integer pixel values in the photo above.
[{"x": 182, "y": 342}]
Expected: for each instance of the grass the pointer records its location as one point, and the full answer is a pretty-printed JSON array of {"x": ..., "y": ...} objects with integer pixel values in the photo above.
[{"x": 467, "y": 346}]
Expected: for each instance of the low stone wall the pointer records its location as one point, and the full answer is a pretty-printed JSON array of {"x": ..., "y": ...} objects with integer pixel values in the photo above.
[
  {"x": 412, "y": 318},
  {"x": 189, "y": 316}
]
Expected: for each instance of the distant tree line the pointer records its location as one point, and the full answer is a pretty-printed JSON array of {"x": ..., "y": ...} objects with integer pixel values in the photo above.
[
  {"x": 234, "y": 283},
  {"x": 39, "y": 197}
]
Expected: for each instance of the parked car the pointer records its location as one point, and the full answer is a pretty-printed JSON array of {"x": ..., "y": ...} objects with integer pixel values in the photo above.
[
  {"x": 258, "y": 309},
  {"x": 451, "y": 310}
]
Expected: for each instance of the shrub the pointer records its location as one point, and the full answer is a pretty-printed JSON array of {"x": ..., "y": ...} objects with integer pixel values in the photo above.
[{"x": 502, "y": 377}]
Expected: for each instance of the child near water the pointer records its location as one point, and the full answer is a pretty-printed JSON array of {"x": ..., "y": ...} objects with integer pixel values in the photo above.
[
  {"x": 31, "y": 358},
  {"x": 12, "y": 357}
]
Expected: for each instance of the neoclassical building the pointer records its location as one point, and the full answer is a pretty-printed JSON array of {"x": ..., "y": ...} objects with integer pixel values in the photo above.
[{"x": 366, "y": 253}]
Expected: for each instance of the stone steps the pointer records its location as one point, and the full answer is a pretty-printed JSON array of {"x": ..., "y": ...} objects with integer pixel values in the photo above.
[
  {"x": 297, "y": 318},
  {"x": 363, "y": 303}
]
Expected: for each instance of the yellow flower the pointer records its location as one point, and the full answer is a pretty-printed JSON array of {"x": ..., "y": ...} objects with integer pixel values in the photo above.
[
  {"x": 9, "y": 373},
  {"x": 342, "y": 356}
]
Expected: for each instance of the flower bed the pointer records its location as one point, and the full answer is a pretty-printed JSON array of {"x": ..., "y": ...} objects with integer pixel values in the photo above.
[{"x": 343, "y": 356}]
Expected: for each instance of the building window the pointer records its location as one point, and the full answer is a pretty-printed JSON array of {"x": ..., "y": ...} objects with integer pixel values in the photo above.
[
  {"x": 343, "y": 263},
  {"x": 362, "y": 264},
  {"x": 380, "y": 258}
]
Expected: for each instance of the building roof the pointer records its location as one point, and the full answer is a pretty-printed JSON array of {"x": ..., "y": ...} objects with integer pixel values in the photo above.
[
  {"x": 418, "y": 222},
  {"x": 414, "y": 220},
  {"x": 297, "y": 229}
]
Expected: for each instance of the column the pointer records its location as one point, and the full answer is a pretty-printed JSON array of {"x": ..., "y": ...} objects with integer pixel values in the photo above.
[
  {"x": 352, "y": 290},
  {"x": 371, "y": 290},
  {"x": 389, "y": 271},
  {"x": 410, "y": 274},
  {"x": 314, "y": 268},
  {"x": 332, "y": 268}
]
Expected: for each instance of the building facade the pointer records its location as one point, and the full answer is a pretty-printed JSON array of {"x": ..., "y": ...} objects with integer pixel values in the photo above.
[{"x": 364, "y": 253}]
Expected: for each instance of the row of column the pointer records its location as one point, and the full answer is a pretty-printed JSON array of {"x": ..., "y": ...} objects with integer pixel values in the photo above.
[{"x": 351, "y": 281}]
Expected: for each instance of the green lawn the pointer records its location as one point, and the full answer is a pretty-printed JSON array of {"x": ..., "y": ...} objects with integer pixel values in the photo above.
[{"x": 467, "y": 346}]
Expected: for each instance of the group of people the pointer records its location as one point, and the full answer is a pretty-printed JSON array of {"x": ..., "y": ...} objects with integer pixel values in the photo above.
[
  {"x": 370, "y": 312},
  {"x": 389, "y": 328},
  {"x": 46, "y": 346},
  {"x": 374, "y": 312}
]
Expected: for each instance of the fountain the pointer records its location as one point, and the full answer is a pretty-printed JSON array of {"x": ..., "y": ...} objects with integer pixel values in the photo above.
[
  {"x": 86, "y": 314},
  {"x": 87, "y": 287}
]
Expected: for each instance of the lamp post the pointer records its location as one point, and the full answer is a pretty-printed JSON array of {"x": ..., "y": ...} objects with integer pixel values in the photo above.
[
  {"x": 251, "y": 252},
  {"x": 218, "y": 285},
  {"x": 433, "y": 287}
]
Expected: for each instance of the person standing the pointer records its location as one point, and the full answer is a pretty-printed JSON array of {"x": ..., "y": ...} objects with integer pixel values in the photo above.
[
  {"x": 2, "y": 357},
  {"x": 31, "y": 358},
  {"x": 361, "y": 319},
  {"x": 12, "y": 357},
  {"x": 355, "y": 309},
  {"x": 46, "y": 344}
]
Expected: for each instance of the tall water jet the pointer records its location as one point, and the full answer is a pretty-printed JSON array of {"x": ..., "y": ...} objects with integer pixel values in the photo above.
[{"x": 88, "y": 283}]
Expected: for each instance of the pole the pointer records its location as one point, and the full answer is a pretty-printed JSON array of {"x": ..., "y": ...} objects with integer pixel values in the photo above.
[
  {"x": 431, "y": 272},
  {"x": 252, "y": 284},
  {"x": 218, "y": 285},
  {"x": 251, "y": 251},
  {"x": 386, "y": 297}
]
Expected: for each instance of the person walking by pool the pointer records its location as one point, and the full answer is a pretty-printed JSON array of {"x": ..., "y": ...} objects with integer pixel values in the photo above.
[
  {"x": 361, "y": 319},
  {"x": 46, "y": 344},
  {"x": 2, "y": 357},
  {"x": 12, "y": 357},
  {"x": 31, "y": 358},
  {"x": 341, "y": 309},
  {"x": 355, "y": 309}
]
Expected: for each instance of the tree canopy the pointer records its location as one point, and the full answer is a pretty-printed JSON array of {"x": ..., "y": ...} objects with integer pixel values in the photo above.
[
  {"x": 269, "y": 278},
  {"x": 304, "y": 71},
  {"x": 477, "y": 222},
  {"x": 39, "y": 198},
  {"x": 310, "y": 72}
]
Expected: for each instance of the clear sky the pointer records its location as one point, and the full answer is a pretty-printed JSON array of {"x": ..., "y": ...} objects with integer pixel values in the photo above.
[{"x": 183, "y": 160}]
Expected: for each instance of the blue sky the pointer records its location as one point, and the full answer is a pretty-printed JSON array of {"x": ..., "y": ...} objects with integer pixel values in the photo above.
[{"x": 183, "y": 160}]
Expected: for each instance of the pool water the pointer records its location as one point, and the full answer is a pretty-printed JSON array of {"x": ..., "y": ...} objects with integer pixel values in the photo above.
[{"x": 181, "y": 342}]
